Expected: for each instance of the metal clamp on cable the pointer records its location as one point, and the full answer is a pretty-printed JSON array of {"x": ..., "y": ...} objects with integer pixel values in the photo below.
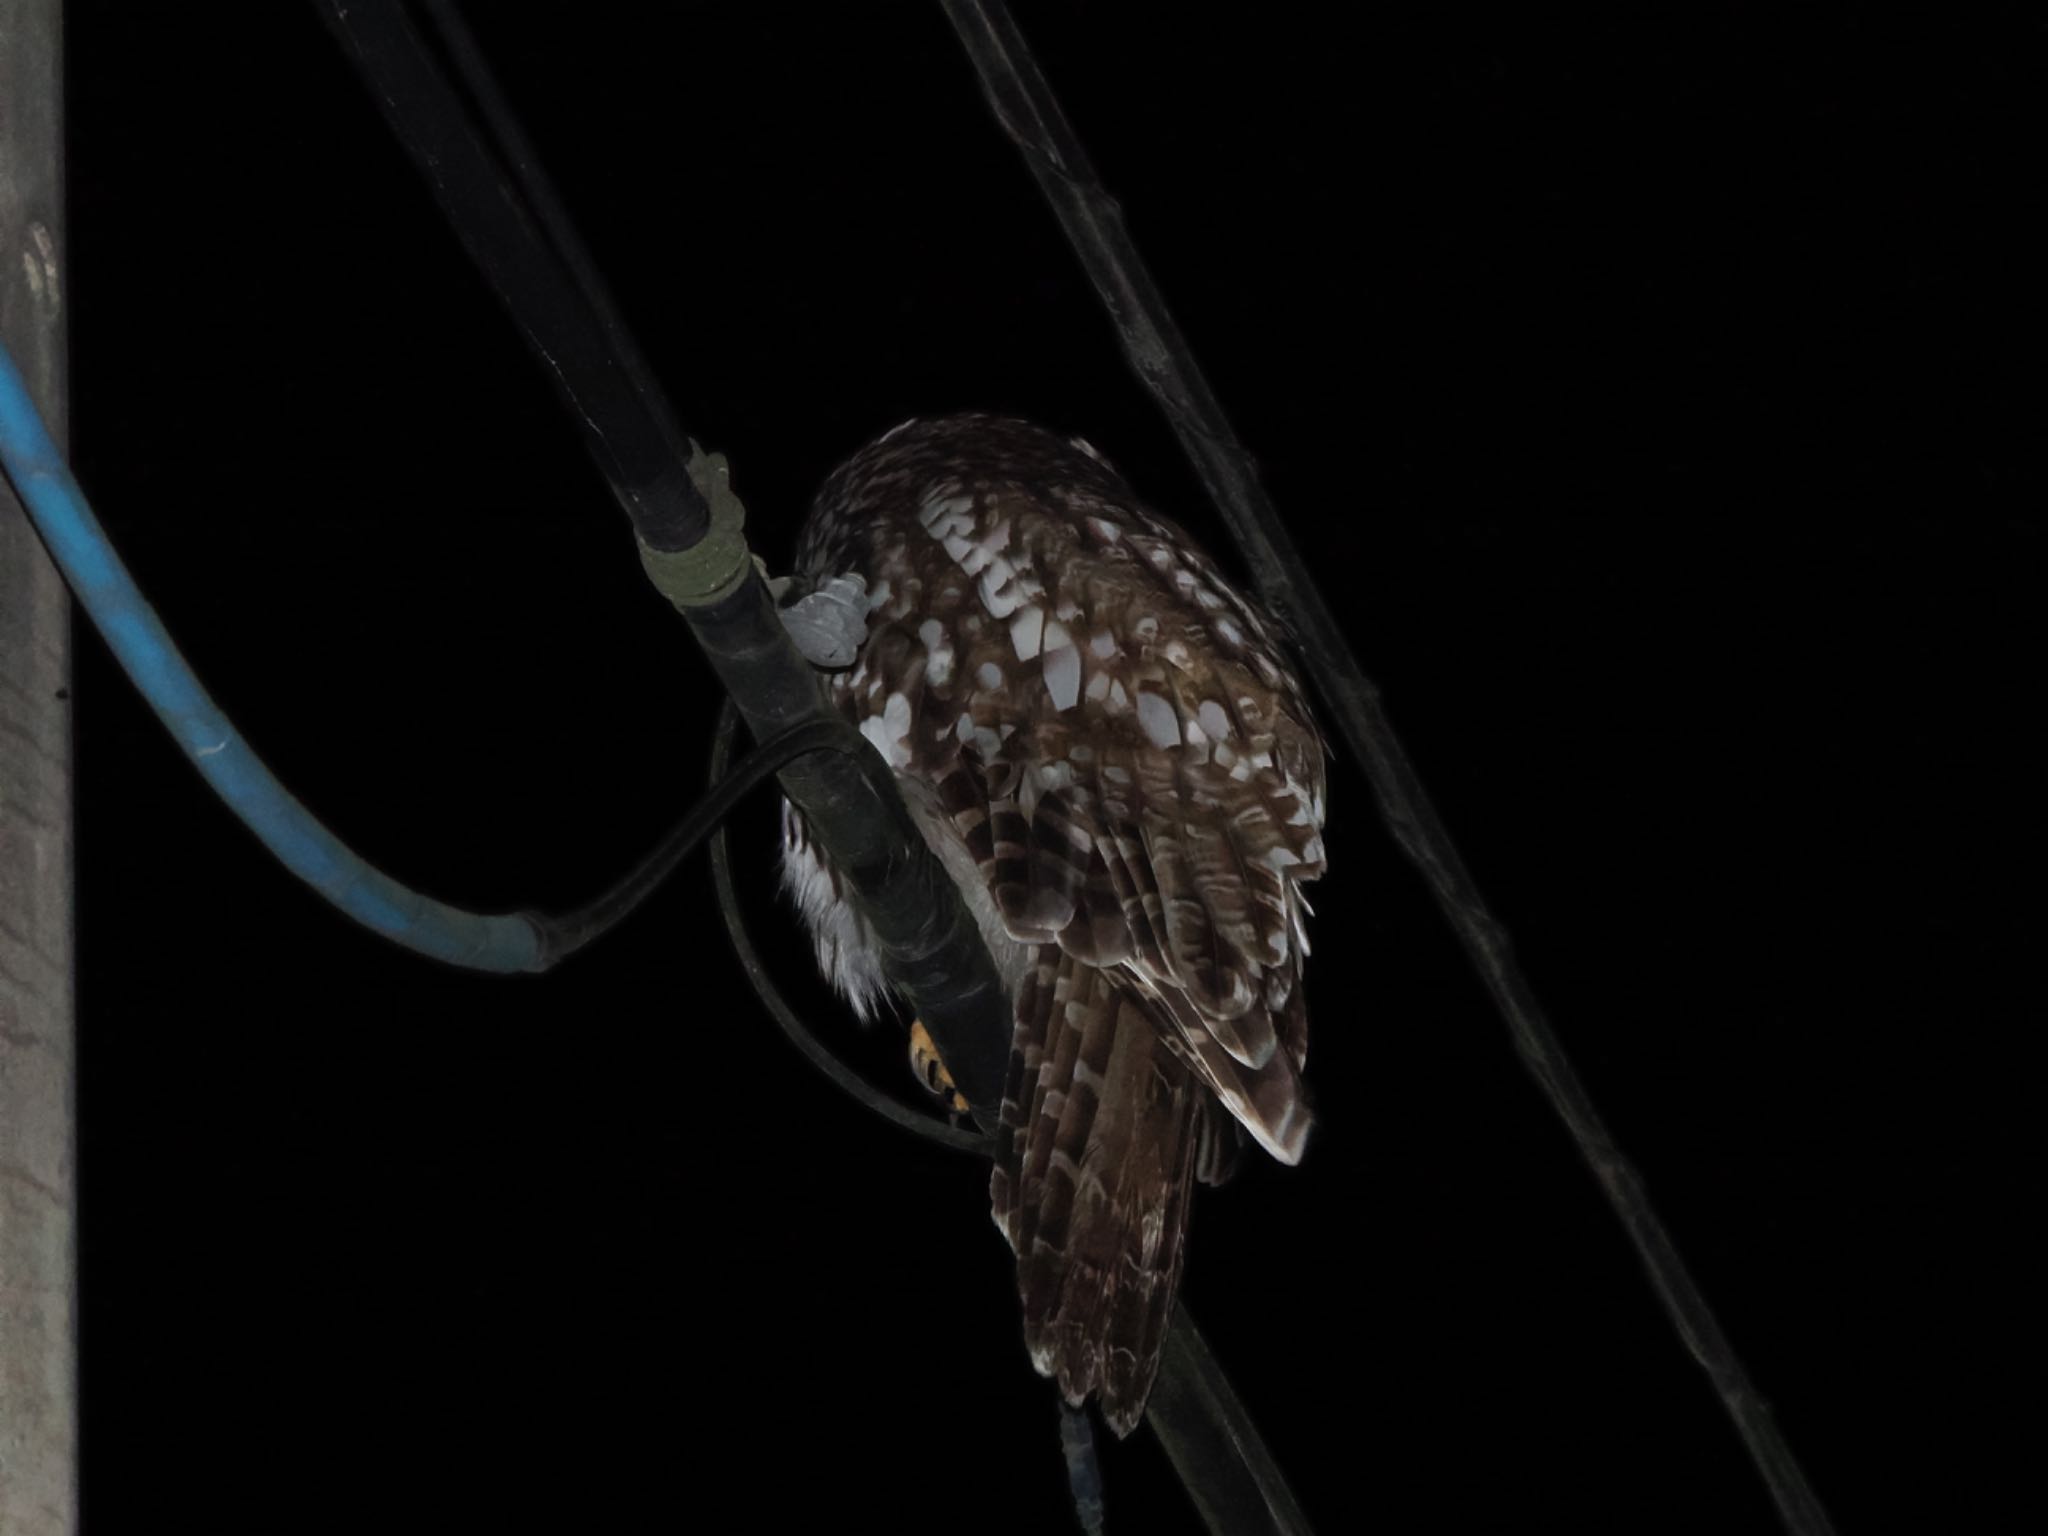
[{"x": 713, "y": 568}]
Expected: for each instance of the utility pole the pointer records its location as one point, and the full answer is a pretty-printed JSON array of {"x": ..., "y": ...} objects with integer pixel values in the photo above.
[{"x": 38, "y": 1209}]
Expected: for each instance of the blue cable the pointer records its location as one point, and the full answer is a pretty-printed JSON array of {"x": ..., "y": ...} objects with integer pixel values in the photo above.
[{"x": 102, "y": 584}]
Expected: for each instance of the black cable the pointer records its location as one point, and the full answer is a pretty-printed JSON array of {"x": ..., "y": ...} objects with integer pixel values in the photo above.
[
  {"x": 562, "y": 936},
  {"x": 1027, "y": 110},
  {"x": 633, "y": 439},
  {"x": 1223, "y": 1461},
  {"x": 517, "y": 152}
]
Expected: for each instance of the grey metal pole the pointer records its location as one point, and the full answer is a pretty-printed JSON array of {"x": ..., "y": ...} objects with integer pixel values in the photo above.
[{"x": 38, "y": 1360}]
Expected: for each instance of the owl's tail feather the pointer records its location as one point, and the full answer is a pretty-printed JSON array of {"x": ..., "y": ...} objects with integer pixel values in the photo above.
[{"x": 1095, "y": 1157}]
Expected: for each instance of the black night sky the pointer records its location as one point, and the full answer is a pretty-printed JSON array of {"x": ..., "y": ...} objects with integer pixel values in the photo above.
[{"x": 1659, "y": 399}]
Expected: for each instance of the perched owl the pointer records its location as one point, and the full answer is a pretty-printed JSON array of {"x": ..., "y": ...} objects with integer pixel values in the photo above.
[{"x": 1104, "y": 744}]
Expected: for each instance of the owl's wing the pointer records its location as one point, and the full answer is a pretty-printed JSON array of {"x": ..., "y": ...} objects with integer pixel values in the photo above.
[{"x": 1116, "y": 738}]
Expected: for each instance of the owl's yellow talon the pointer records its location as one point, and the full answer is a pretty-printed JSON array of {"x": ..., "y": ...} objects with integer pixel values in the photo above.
[{"x": 931, "y": 1071}]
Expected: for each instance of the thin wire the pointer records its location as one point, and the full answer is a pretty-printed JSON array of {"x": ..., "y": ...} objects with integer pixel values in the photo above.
[
  {"x": 800, "y": 1034},
  {"x": 1027, "y": 110},
  {"x": 562, "y": 936}
]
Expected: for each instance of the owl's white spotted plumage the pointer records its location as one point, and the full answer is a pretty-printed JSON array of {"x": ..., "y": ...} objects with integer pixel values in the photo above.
[{"x": 1106, "y": 746}]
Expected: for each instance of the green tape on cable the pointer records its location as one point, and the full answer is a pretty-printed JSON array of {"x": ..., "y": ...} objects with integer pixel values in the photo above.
[{"x": 714, "y": 567}]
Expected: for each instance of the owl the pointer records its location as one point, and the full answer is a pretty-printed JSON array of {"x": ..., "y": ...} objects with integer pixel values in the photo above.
[{"x": 1104, "y": 744}]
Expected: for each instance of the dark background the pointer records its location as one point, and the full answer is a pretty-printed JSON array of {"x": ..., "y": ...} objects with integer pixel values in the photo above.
[{"x": 1660, "y": 401}]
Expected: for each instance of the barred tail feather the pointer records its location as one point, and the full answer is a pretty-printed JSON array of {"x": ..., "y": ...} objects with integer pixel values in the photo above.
[{"x": 1095, "y": 1160}]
